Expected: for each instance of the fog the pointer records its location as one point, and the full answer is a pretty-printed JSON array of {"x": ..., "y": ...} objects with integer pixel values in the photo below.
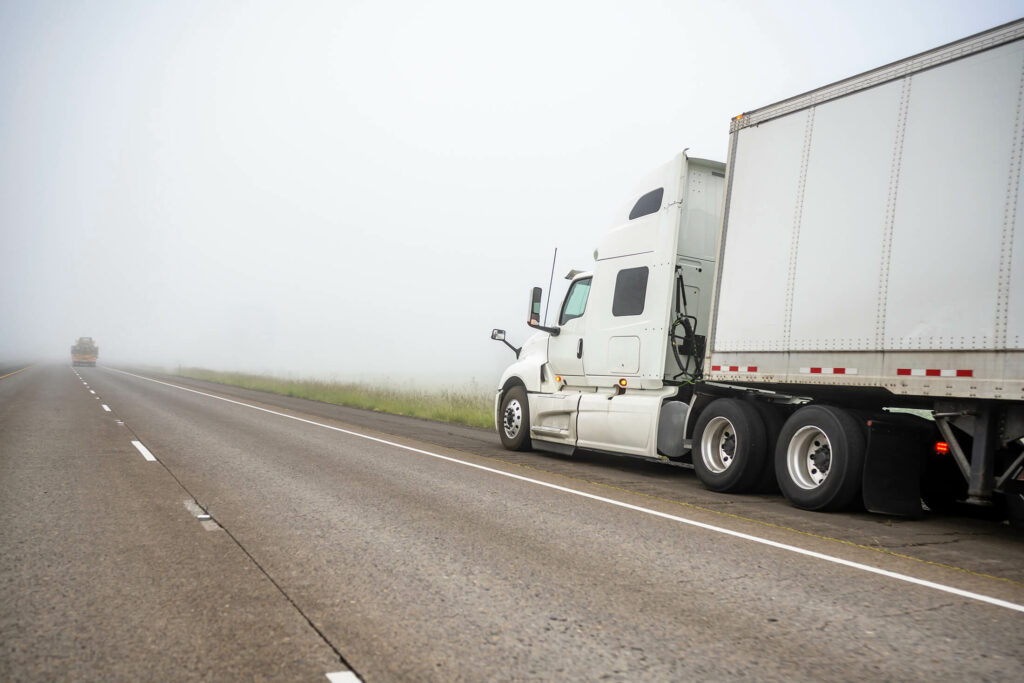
[{"x": 362, "y": 190}]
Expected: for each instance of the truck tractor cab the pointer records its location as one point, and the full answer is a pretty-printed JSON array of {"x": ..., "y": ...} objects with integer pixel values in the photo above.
[{"x": 629, "y": 332}]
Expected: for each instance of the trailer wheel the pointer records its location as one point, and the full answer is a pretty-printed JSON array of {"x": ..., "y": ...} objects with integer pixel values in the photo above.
[
  {"x": 731, "y": 446},
  {"x": 819, "y": 460},
  {"x": 515, "y": 420},
  {"x": 1013, "y": 504}
]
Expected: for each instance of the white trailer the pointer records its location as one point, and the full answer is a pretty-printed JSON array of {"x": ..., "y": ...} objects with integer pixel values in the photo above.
[{"x": 769, "y": 320}]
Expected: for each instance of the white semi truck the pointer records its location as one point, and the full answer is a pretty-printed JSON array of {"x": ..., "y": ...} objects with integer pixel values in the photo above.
[{"x": 838, "y": 311}]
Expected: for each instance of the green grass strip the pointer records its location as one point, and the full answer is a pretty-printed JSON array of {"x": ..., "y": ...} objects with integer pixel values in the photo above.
[{"x": 475, "y": 409}]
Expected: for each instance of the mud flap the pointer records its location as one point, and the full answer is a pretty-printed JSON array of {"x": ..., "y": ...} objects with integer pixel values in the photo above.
[{"x": 892, "y": 471}]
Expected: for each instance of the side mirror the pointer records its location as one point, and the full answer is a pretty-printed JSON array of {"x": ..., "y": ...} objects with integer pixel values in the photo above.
[
  {"x": 534, "y": 320},
  {"x": 535, "y": 298},
  {"x": 499, "y": 335}
]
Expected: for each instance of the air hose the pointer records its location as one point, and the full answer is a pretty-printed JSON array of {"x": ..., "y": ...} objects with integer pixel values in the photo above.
[{"x": 688, "y": 347}]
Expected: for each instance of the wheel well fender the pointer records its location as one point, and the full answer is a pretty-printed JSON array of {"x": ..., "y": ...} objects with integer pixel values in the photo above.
[
  {"x": 698, "y": 403},
  {"x": 509, "y": 383}
]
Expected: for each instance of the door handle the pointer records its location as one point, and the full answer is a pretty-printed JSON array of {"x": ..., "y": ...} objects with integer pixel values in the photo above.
[{"x": 579, "y": 349}]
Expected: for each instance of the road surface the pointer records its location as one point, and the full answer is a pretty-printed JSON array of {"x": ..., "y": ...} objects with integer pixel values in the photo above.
[{"x": 156, "y": 527}]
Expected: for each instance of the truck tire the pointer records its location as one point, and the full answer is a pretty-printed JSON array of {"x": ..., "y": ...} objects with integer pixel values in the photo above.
[
  {"x": 514, "y": 426},
  {"x": 819, "y": 460},
  {"x": 731, "y": 449},
  {"x": 1013, "y": 504}
]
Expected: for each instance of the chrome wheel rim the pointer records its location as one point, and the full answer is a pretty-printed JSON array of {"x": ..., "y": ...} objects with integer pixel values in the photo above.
[
  {"x": 512, "y": 421},
  {"x": 718, "y": 445},
  {"x": 809, "y": 457}
]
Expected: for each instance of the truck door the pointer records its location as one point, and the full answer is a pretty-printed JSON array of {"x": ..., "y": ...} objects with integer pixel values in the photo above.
[{"x": 565, "y": 351}]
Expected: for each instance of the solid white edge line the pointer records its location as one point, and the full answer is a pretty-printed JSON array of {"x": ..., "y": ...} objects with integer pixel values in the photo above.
[
  {"x": 145, "y": 451},
  {"x": 629, "y": 506},
  {"x": 106, "y": 407},
  {"x": 342, "y": 677}
]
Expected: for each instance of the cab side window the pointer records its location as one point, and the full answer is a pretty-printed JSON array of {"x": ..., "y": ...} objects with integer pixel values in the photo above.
[
  {"x": 630, "y": 291},
  {"x": 575, "y": 301}
]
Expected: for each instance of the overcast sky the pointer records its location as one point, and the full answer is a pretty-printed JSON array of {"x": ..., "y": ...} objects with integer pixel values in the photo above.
[{"x": 362, "y": 190}]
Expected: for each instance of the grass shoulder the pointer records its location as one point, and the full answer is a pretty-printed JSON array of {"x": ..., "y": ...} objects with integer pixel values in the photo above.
[{"x": 466, "y": 407}]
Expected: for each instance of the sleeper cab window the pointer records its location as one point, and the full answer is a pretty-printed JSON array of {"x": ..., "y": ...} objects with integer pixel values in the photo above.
[
  {"x": 630, "y": 291},
  {"x": 648, "y": 204},
  {"x": 575, "y": 301}
]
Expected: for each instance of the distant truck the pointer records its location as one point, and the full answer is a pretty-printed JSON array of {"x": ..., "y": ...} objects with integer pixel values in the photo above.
[
  {"x": 837, "y": 313},
  {"x": 84, "y": 352}
]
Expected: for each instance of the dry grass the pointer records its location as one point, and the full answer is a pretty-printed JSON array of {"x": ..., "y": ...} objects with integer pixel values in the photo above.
[{"x": 468, "y": 407}]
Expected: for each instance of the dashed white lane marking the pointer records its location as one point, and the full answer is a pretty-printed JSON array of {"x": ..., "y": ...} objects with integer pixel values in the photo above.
[
  {"x": 145, "y": 451},
  {"x": 106, "y": 407},
  {"x": 629, "y": 506},
  {"x": 201, "y": 515},
  {"x": 342, "y": 677},
  {"x": 91, "y": 391}
]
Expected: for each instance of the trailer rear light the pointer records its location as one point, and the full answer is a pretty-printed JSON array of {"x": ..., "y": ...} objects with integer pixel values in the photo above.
[
  {"x": 941, "y": 448},
  {"x": 622, "y": 382},
  {"x": 558, "y": 378}
]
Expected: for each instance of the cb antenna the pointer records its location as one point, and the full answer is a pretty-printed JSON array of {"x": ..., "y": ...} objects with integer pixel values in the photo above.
[{"x": 551, "y": 281}]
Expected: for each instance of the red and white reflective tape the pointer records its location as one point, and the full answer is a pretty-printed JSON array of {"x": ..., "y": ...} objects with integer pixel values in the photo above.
[
  {"x": 828, "y": 371},
  {"x": 930, "y": 372},
  {"x": 733, "y": 368},
  {"x": 910, "y": 372}
]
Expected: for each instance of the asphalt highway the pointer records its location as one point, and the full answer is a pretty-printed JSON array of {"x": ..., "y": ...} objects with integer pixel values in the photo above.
[{"x": 159, "y": 528}]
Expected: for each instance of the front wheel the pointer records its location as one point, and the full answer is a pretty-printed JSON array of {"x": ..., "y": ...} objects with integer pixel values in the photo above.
[
  {"x": 514, "y": 420},
  {"x": 819, "y": 460}
]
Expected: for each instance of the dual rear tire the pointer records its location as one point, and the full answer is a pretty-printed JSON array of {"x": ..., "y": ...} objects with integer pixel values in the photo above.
[
  {"x": 816, "y": 457},
  {"x": 819, "y": 458},
  {"x": 730, "y": 446}
]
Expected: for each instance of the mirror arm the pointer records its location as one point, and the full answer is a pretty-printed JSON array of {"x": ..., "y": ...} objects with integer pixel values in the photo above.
[
  {"x": 499, "y": 335},
  {"x": 553, "y": 331},
  {"x": 515, "y": 350}
]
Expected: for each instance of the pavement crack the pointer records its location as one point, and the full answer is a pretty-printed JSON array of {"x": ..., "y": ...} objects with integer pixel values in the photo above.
[
  {"x": 907, "y": 613},
  {"x": 284, "y": 593},
  {"x": 920, "y": 544},
  {"x": 255, "y": 562}
]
